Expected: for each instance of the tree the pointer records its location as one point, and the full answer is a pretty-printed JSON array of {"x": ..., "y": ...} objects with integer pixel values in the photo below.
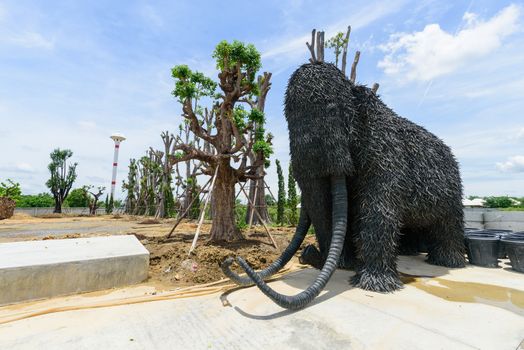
[
  {"x": 338, "y": 43},
  {"x": 292, "y": 199},
  {"x": 62, "y": 176},
  {"x": 92, "y": 196},
  {"x": 42, "y": 200},
  {"x": 109, "y": 204},
  {"x": 76, "y": 199},
  {"x": 10, "y": 189},
  {"x": 281, "y": 201},
  {"x": 233, "y": 119},
  {"x": 257, "y": 186},
  {"x": 166, "y": 202},
  {"x": 270, "y": 201},
  {"x": 188, "y": 183},
  {"x": 131, "y": 187},
  {"x": 498, "y": 202}
]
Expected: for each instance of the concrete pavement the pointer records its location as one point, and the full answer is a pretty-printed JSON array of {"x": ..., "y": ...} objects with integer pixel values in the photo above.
[{"x": 471, "y": 308}]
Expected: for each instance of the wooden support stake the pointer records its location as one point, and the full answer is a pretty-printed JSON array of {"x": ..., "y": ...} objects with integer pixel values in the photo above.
[
  {"x": 269, "y": 189},
  {"x": 253, "y": 207},
  {"x": 187, "y": 209},
  {"x": 262, "y": 221},
  {"x": 203, "y": 212},
  {"x": 240, "y": 191}
]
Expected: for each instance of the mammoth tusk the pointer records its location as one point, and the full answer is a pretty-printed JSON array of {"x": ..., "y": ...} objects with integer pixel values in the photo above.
[
  {"x": 300, "y": 233},
  {"x": 295, "y": 302}
]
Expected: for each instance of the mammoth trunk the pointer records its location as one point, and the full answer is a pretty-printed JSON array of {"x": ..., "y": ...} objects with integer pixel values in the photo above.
[
  {"x": 339, "y": 218},
  {"x": 223, "y": 203}
]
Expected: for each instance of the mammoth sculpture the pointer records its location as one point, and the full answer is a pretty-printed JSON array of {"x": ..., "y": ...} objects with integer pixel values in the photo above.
[{"x": 367, "y": 176}]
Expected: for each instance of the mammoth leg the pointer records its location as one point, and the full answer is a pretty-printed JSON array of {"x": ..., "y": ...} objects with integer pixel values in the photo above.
[
  {"x": 300, "y": 233},
  {"x": 339, "y": 195},
  {"x": 446, "y": 246},
  {"x": 378, "y": 232},
  {"x": 409, "y": 241},
  {"x": 320, "y": 204},
  {"x": 316, "y": 198},
  {"x": 311, "y": 256}
]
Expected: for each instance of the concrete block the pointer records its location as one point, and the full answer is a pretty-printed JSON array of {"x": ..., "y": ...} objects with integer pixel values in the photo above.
[
  {"x": 474, "y": 219},
  {"x": 42, "y": 269},
  {"x": 506, "y": 220}
]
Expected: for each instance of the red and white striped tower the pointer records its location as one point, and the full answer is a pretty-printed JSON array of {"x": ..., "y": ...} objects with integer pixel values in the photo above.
[{"x": 118, "y": 138}]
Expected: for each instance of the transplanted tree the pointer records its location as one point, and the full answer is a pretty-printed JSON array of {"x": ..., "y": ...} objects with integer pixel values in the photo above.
[
  {"x": 257, "y": 187},
  {"x": 41, "y": 200},
  {"x": 131, "y": 187},
  {"x": 92, "y": 196},
  {"x": 10, "y": 189},
  {"x": 62, "y": 176},
  {"x": 233, "y": 137},
  {"x": 281, "y": 201},
  {"x": 292, "y": 199},
  {"x": 77, "y": 199}
]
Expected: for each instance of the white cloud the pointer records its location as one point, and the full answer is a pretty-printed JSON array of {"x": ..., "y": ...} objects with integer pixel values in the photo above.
[
  {"x": 520, "y": 134},
  {"x": 293, "y": 47},
  {"x": 18, "y": 167},
  {"x": 514, "y": 164},
  {"x": 433, "y": 52},
  {"x": 27, "y": 40},
  {"x": 87, "y": 125},
  {"x": 150, "y": 15}
]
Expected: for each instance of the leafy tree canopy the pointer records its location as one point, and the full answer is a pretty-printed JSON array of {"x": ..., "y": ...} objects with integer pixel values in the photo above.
[
  {"x": 10, "y": 189},
  {"x": 191, "y": 84},
  {"x": 42, "y": 200},
  {"x": 77, "y": 199}
]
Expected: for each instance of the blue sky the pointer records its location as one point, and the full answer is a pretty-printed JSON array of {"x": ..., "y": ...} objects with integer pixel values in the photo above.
[{"x": 72, "y": 73}]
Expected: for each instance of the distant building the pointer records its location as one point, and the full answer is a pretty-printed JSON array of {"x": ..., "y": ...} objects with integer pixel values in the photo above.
[{"x": 473, "y": 203}]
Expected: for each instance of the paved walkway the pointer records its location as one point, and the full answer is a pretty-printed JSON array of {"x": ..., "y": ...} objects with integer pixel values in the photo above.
[{"x": 472, "y": 308}]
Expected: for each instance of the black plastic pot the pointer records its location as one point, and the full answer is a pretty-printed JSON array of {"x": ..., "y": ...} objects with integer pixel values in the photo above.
[
  {"x": 497, "y": 230},
  {"x": 514, "y": 247},
  {"x": 483, "y": 249},
  {"x": 493, "y": 233}
]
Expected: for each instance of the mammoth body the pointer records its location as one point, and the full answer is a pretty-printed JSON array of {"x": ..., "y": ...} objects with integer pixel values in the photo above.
[
  {"x": 368, "y": 178},
  {"x": 400, "y": 178}
]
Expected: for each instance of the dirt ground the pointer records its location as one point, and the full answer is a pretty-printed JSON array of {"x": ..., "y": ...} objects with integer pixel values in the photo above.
[{"x": 170, "y": 265}]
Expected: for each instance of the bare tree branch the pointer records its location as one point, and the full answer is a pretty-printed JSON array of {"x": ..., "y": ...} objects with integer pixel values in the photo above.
[
  {"x": 195, "y": 126},
  {"x": 345, "y": 50},
  {"x": 353, "y": 75},
  {"x": 311, "y": 47}
]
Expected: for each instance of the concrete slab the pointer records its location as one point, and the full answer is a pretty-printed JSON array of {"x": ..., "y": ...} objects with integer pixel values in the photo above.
[
  {"x": 42, "y": 269},
  {"x": 471, "y": 308}
]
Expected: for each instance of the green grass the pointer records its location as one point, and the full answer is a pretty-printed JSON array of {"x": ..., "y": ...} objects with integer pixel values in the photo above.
[{"x": 512, "y": 209}]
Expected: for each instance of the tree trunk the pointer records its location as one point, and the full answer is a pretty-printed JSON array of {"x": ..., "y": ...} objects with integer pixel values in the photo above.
[
  {"x": 58, "y": 206},
  {"x": 223, "y": 198}
]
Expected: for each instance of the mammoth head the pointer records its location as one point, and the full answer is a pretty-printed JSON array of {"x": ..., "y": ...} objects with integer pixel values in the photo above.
[{"x": 320, "y": 109}]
